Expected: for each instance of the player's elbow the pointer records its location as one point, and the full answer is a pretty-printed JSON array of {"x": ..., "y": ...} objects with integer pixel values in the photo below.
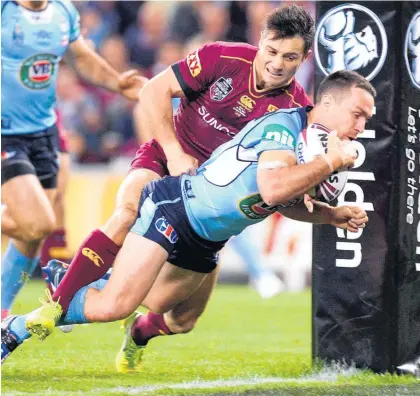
[{"x": 273, "y": 192}]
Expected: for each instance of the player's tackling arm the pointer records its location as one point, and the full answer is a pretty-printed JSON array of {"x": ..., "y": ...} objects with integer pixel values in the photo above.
[
  {"x": 93, "y": 68},
  {"x": 154, "y": 119}
]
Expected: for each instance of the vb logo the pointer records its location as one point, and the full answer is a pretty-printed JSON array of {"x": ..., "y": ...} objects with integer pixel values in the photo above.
[{"x": 92, "y": 256}]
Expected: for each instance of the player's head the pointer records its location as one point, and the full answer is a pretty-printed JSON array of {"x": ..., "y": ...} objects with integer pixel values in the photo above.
[
  {"x": 344, "y": 103},
  {"x": 286, "y": 39}
]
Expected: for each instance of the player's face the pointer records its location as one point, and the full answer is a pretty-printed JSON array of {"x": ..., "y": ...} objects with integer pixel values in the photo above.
[
  {"x": 278, "y": 60},
  {"x": 349, "y": 114}
]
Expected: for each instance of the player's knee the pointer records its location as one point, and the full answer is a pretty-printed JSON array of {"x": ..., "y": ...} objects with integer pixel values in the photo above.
[
  {"x": 183, "y": 324},
  {"x": 117, "y": 308},
  {"x": 38, "y": 230}
]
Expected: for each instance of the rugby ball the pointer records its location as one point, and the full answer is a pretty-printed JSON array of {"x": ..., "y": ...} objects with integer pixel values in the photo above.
[{"x": 311, "y": 143}]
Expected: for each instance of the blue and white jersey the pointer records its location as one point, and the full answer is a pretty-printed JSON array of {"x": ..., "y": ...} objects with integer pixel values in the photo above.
[
  {"x": 223, "y": 198},
  {"x": 32, "y": 45}
]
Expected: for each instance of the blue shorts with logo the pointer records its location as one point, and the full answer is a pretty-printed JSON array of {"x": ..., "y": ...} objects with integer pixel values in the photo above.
[
  {"x": 162, "y": 218},
  {"x": 31, "y": 153}
]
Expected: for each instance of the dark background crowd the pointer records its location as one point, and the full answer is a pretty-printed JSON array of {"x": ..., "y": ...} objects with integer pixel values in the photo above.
[{"x": 148, "y": 36}]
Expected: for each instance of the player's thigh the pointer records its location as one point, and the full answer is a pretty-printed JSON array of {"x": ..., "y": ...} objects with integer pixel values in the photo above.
[
  {"x": 129, "y": 192},
  {"x": 196, "y": 303},
  {"x": 172, "y": 286},
  {"x": 27, "y": 202},
  {"x": 136, "y": 268}
]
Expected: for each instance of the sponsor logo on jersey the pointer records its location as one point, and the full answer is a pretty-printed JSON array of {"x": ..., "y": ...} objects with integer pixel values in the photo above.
[
  {"x": 18, "y": 36},
  {"x": 194, "y": 65},
  {"x": 240, "y": 111},
  {"x": 272, "y": 108},
  {"x": 166, "y": 229},
  {"x": 246, "y": 105},
  {"x": 92, "y": 256},
  {"x": 36, "y": 71},
  {"x": 43, "y": 35},
  {"x": 247, "y": 102},
  {"x": 64, "y": 30},
  {"x": 351, "y": 37},
  {"x": 6, "y": 123},
  {"x": 279, "y": 134},
  {"x": 188, "y": 192},
  {"x": 208, "y": 118},
  {"x": 7, "y": 154},
  {"x": 255, "y": 208},
  {"x": 221, "y": 88}
]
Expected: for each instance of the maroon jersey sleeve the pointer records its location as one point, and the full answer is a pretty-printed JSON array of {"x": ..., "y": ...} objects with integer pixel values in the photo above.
[{"x": 198, "y": 70}]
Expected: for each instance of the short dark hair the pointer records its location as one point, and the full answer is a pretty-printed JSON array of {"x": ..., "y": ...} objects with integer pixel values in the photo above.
[
  {"x": 290, "y": 21},
  {"x": 344, "y": 79}
]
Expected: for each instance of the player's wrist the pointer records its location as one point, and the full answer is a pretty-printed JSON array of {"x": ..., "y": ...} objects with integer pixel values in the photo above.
[
  {"x": 333, "y": 159},
  {"x": 172, "y": 150}
]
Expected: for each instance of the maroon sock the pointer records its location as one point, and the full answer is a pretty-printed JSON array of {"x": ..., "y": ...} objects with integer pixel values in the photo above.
[
  {"x": 91, "y": 262},
  {"x": 149, "y": 326},
  {"x": 54, "y": 246}
]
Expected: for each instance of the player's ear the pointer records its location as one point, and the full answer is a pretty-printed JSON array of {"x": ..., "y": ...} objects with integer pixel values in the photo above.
[
  {"x": 327, "y": 100},
  {"x": 308, "y": 54}
]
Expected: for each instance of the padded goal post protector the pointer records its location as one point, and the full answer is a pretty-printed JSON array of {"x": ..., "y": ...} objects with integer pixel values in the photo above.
[
  {"x": 408, "y": 266},
  {"x": 354, "y": 290}
]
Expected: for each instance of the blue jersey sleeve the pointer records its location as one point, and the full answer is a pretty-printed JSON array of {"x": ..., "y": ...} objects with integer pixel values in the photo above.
[
  {"x": 278, "y": 132},
  {"x": 74, "y": 19}
]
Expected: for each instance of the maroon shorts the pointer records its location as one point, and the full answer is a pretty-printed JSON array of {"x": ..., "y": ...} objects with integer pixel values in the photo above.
[
  {"x": 63, "y": 144},
  {"x": 150, "y": 155}
]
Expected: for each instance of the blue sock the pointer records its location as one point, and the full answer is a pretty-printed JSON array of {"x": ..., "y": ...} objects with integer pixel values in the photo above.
[
  {"x": 15, "y": 270},
  {"x": 250, "y": 254},
  {"x": 17, "y": 326},
  {"x": 75, "y": 314}
]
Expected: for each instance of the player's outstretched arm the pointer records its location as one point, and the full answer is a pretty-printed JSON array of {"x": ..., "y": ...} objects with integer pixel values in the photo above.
[
  {"x": 93, "y": 68},
  {"x": 350, "y": 218},
  {"x": 154, "y": 117}
]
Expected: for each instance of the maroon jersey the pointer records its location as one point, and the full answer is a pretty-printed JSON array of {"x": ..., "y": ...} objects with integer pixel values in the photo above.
[{"x": 221, "y": 96}]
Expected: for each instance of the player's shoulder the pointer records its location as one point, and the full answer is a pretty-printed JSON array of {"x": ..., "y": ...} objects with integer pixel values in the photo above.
[
  {"x": 294, "y": 119},
  {"x": 7, "y": 4},
  {"x": 239, "y": 51}
]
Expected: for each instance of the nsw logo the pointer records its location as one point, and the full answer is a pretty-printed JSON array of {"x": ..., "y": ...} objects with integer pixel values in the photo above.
[
  {"x": 166, "y": 229},
  {"x": 221, "y": 88},
  {"x": 412, "y": 49},
  {"x": 351, "y": 37},
  {"x": 36, "y": 71}
]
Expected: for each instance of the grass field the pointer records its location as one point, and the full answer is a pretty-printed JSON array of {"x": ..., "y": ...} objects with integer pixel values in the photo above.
[{"x": 242, "y": 345}]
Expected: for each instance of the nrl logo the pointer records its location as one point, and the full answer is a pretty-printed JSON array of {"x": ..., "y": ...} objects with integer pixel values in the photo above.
[
  {"x": 412, "y": 50},
  {"x": 351, "y": 37},
  {"x": 221, "y": 88}
]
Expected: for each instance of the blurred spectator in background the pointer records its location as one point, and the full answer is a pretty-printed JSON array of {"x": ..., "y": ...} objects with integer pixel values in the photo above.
[
  {"x": 93, "y": 26},
  {"x": 147, "y": 34},
  {"x": 184, "y": 21},
  {"x": 255, "y": 13}
]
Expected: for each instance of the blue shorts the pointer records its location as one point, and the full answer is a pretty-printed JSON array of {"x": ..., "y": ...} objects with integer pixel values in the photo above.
[
  {"x": 31, "y": 153},
  {"x": 162, "y": 218}
]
